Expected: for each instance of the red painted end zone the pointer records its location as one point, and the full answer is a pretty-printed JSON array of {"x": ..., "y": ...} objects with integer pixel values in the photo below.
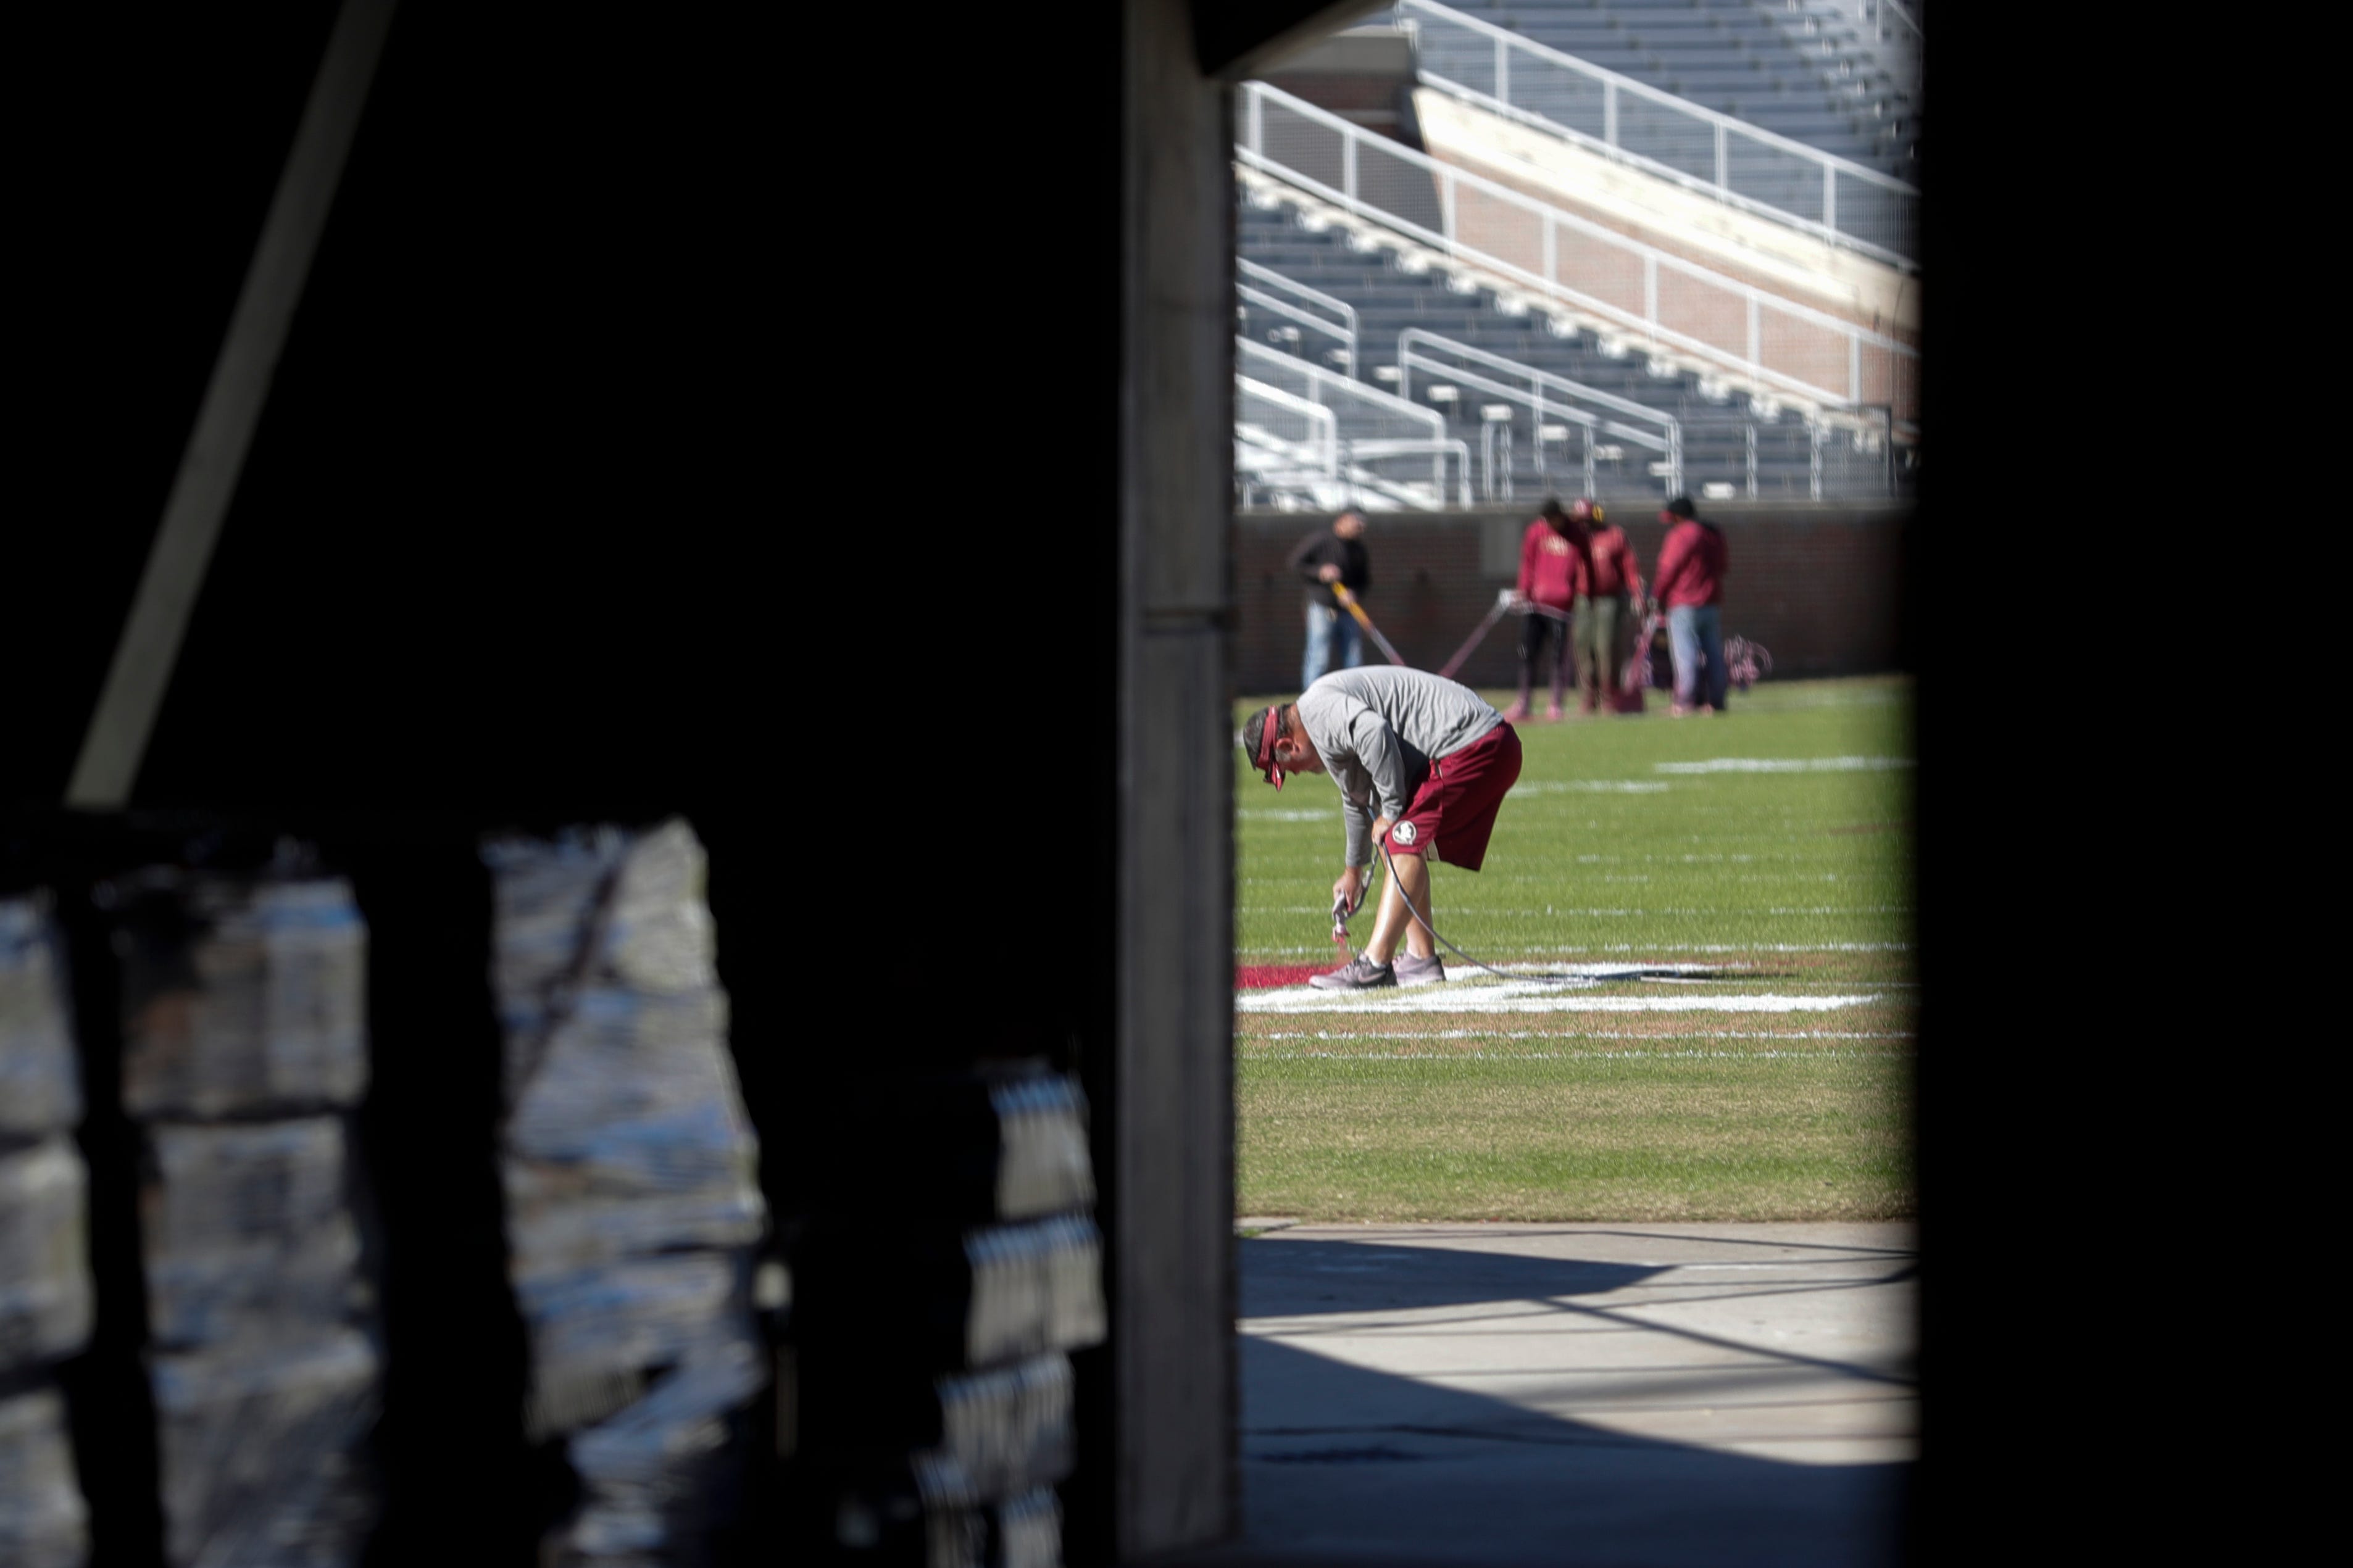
[{"x": 1266, "y": 976}]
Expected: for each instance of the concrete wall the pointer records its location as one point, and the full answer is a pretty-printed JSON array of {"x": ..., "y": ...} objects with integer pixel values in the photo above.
[
  {"x": 1364, "y": 75},
  {"x": 1814, "y": 582},
  {"x": 1774, "y": 257},
  {"x": 1170, "y": 1095}
]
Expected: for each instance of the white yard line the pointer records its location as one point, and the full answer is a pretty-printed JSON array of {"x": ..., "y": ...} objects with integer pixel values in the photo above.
[
  {"x": 1524, "y": 996},
  {"x": 1570, "y": 910},
  {"x": 1583, "y": 1055},
  {"x": 1787, "y": 765},
  {"x": 1628, "y": 947},
  {"x": 1799, "y": 947},
  {"x": 1580, "y": 1034},
  {"x": 1607, "y": 969}
]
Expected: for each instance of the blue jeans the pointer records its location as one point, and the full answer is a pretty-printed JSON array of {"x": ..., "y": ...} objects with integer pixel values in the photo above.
[
  {"x": 1328, "y": 625},
  {"x": 1695, "y": 632}
]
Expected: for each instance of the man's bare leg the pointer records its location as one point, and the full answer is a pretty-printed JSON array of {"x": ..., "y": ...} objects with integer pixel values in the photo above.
[{"x": 1408, "y": 881}]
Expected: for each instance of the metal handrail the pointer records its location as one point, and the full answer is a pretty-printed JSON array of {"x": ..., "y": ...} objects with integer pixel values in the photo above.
[
  {"x": 1342, "y": 481},
  {"x": 1323, "y": 427},
  {"x": 1362, "y": 478},
  {"x": 1271, "y": 459},
  {"x": 1658, "y": 94},
  {"x": 1356, "y": 403},
  {"x": 1266, "y": 302},
  {"x": 1371, "y": 397},
  {"x": 1667, "y": 440},
  {"x": 1901, "y": 16},
  {"x": 1351, "y": 396},
  {"x": 1723, "y": 128},
  {"x": 1450, "y": 180},
  {"x": 1297, "y": 291},
  {"x": 1408, "y": 339}
]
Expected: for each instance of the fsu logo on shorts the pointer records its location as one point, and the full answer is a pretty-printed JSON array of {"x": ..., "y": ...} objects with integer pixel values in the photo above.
[{"x": 1404, "y": 832}]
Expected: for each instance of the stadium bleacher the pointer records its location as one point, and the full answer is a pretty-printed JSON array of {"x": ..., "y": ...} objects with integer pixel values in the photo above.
[
  {"x": 1812, "y": 70},
  {"x": 1830, "y": 74},
  {"x": 1790, "y": 462}
]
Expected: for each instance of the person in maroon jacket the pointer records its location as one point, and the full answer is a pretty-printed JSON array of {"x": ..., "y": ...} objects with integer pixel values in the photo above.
[
  {"x": 1606, "y": 615},
  {"x": 1689, "y": 584},
  {"x": 1554, "y": 565}
]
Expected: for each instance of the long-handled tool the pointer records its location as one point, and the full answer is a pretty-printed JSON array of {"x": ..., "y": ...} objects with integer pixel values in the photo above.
[
  {"x": 1636, "y": 680},
  {"x": 1503, "y": 608},
  {"x": 1348, "y": 603},
  {"x": 1636, "y": 675},
  {"x": 1504, "y": 605}
]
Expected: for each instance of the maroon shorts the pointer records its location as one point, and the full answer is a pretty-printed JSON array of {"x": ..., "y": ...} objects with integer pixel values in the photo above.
[{"x": 1454, "y": 810}]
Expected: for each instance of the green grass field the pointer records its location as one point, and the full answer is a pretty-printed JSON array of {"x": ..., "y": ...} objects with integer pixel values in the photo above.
[{"x": 1765, "y": 852}]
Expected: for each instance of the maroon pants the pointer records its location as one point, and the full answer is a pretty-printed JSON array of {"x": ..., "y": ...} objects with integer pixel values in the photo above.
[{"x": 1454, "y": 812}]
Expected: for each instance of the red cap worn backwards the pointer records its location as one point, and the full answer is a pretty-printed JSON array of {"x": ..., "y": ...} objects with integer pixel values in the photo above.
[{"x": 1266, "y": 739}]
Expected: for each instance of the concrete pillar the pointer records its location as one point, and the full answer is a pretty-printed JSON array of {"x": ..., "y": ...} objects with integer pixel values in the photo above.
[{"x": 1172, "y": 1258}]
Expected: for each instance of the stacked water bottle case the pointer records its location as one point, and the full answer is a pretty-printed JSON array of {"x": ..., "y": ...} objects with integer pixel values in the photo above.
[
  {"x": 937, "y": 1292},
  {"x": 634, "y": 1213},
  {"x": 45, "y": 1282},
  {"x": 244, "y": 1054},
  {"x": 938, "y": 1312}
]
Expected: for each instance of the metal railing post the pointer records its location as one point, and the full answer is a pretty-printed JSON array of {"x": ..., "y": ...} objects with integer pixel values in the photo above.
[
  {"x": 1723, "y": 127},
  {"x": 1348, "y": 169},
  {"x": 1751, "y": 459},
  {"x": 1459, "y": 253},
  {"x": 1854, "y": 372},
  {"x": 1886, "y": 411},
  {"x": 1257, "y": 123}
]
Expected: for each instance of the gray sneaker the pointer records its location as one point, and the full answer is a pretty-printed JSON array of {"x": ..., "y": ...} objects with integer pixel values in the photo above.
[
  {"x": 1412, "y": 971},
  {"x": 1360, "y": 974}
]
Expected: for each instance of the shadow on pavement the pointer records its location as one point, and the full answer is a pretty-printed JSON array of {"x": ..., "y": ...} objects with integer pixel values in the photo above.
[
  {"x": 1298, "y": 1278},
  {"x": 1344, "y": 1464}
]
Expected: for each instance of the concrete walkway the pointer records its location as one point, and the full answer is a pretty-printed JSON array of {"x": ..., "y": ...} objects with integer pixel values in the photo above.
[{"x": 1654, "y": 1395}]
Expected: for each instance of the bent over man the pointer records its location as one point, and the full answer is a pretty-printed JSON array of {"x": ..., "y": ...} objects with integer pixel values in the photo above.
[{"x": 1423, "y": 766}]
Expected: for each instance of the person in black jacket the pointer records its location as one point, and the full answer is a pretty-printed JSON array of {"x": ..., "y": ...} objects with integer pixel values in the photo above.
[{"x": 1335, "y": 554}]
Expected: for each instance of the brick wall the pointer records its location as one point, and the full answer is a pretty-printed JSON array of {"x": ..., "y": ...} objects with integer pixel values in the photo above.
[{"x": 1815, "y": 584}]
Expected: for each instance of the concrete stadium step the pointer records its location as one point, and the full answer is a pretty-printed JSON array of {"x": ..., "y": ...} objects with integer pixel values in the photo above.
[{"x": 1388, "y": 301}]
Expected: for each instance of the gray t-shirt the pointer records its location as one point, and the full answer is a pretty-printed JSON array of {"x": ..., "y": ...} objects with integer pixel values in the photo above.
[{"x": 1376, "y": 728}]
